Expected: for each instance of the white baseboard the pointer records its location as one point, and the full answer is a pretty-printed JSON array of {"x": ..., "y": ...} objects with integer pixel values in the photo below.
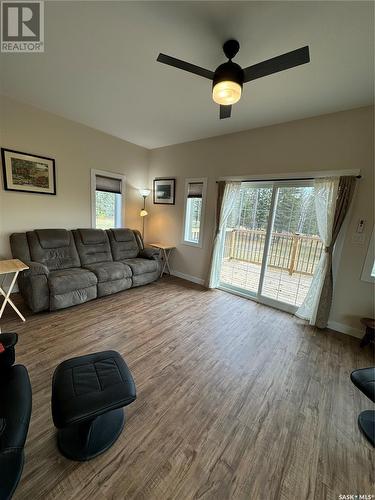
[
  {"x": 187, "y": 277},
  {"x": 348, "y": 330}
]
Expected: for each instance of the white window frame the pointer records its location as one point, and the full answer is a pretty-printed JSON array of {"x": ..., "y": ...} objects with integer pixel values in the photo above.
[
  {"x": 369, "y": 262},
  {"x": 188, "y": 181},
  {"x": 112, "y": 175}
]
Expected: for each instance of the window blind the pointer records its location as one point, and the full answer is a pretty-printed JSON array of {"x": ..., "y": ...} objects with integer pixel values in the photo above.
[
  {"x": 195, "y": 190},
  {"x": 108, "y": 184}
]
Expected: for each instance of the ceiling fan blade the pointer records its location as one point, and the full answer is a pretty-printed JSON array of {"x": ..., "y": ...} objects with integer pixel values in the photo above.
[
  {"x": 191, "y": 68},
  {"x": 276, "y": 64},
  {"x": 225, "y": 111}
]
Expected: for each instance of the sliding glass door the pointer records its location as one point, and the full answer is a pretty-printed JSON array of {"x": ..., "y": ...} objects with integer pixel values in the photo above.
[
  {"x": 245, "y": 239},
  {"x": 272, "y": 245}
]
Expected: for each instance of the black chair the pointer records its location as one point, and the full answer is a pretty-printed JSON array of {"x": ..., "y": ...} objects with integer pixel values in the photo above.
[
  {"x": 15, "y": 412},
  {"x": 88, "y": 395},
  {"x": 364, "y": 379}
]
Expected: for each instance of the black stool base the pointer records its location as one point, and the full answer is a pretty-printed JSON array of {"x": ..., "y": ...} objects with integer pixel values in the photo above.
[
  {"x": 88, "y": 440},
  {"x": 366, "y": 422}
]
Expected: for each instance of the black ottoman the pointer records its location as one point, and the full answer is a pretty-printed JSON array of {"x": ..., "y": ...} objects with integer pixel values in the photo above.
[
  {"x": 88, "y": 395},
  {"x": 364, "y": 379}
]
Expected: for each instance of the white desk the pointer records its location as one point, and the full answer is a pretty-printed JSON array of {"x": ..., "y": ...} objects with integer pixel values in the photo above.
[
  {"x": 166, "y": 253},
  {"x": 8, "y": 267}
]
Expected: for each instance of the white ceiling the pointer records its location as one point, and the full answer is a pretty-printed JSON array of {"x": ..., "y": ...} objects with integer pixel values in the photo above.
[{"x": 100, "y": 68}]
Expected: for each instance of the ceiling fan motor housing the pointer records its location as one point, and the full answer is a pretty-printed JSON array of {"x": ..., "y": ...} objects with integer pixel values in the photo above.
[{"x": 228, "y": 71}]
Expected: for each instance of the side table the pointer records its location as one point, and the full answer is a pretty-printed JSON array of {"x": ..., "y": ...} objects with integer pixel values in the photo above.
[
  {"x": 8, "y": 267},
  {"x": 166, "y": 251}
]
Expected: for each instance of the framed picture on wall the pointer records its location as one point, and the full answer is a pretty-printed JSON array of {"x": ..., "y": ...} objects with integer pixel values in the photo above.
[
  {"x": 28, "y": 173},
  {"x": 164, "y": 191}
]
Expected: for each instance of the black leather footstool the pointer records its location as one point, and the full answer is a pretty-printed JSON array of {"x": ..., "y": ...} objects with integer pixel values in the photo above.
[
  {"x": 88, "y": 395},
  {"x": 364, "y": 379}
]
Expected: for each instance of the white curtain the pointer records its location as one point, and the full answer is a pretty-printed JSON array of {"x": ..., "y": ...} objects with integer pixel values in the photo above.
[
  {"x": 325, "y": 196},
  {"x": 231, "y": 191}
]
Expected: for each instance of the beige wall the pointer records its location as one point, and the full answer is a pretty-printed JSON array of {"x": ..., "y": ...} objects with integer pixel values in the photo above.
[
  {"x": 76, "y": 149},
  {"x": 329, "y": 142}
]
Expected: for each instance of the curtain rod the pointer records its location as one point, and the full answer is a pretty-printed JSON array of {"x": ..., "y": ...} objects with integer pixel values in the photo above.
[{"x": 279, "y": 180}]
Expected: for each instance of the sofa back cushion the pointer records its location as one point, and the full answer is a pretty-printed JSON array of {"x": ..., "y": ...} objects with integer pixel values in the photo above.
[
  {"x": 20, "y": 247},
  {"x": 54, "y": 248},
  {"x": 92, "y": 245},
  {"x": 123, "y": 244}
]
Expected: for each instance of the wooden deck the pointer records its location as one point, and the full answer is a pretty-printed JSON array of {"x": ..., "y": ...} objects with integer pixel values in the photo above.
[{"x": 278, "y": 284}]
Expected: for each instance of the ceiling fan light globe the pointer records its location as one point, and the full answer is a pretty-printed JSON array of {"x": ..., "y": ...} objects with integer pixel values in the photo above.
[{"x": 226, "y": 92}]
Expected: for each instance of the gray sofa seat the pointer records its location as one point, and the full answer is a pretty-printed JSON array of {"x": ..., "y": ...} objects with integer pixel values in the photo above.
[
  {"x": 127, "y": 247},
  {"x": 53, "y": 248},
  {"x": 47, "y": 251},
  {"x": 109, "y": 271},
  {"x": 141, "y": 266},
  {"x": 92, "y": 245},
  {"x": 67, "y": 280},
  {"x": 72, "y": 267},
  {"x": 123, "y": 244},
  {"x": 95, "y": 254}
]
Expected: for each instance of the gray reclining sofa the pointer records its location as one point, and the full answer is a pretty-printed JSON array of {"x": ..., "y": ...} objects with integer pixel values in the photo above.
[{"x": 71, "y": 267}]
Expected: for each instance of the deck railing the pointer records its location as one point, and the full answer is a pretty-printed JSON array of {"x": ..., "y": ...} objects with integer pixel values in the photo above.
[{"x": 291, "y": 251}]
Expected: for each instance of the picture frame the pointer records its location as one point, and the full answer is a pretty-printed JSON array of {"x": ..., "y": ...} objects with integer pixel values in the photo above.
[
  {"x": 28, "y": 173},
  {"x": 164, "y": 191}
]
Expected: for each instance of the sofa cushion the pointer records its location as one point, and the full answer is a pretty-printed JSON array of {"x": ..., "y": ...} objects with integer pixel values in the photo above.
[
  {"x": 142, "y": 266},
  {"x": 70, "y": 279},
  {"x": 123, "y": 244},
  {"x": 20, "y": 247},
  {"x": 92, "y": 236},
  {"x": 53, "y": 238},
  {"x": 110, "y": 287},
  {"x": 109, "y": 271},
  {"x": 54, "y": 248},
  {"x": 92, "y": 245}
]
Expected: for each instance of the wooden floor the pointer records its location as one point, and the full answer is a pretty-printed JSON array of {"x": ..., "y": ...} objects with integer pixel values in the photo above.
[{"x": 235, "y": 401}]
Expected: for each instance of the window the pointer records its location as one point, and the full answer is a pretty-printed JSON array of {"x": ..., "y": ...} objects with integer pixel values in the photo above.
[
  {"x": 107, "y": 192},
  {"x": 195, "y": 200}
]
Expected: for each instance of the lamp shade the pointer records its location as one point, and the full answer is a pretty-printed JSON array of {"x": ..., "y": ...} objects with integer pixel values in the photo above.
[
  {"x": 227, "y": 84},
  {"x": 144, "y": 192},
  {"x": 226, "y": 93},
  {"x": 143, "y": 213}
]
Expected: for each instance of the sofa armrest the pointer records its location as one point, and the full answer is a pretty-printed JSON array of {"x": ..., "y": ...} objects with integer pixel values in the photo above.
[
  {"x": 35, "y": 269},
  {"x": 33, "y": 285},
  {"x": 150, "y": 253}
]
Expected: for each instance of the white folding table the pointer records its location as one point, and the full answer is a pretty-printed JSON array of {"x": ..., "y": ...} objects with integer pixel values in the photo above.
[
  {"x": 166, "y": 253},
  {"x": 8, "y": 267}
]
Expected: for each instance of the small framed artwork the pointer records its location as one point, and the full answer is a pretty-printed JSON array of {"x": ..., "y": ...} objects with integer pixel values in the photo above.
[
  {"x": 28, "y": 173},
  {"x": 164, "y": 191}
]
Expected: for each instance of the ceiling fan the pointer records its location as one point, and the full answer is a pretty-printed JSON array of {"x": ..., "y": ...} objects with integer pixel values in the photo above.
[{"x": 228, "y": 78}]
